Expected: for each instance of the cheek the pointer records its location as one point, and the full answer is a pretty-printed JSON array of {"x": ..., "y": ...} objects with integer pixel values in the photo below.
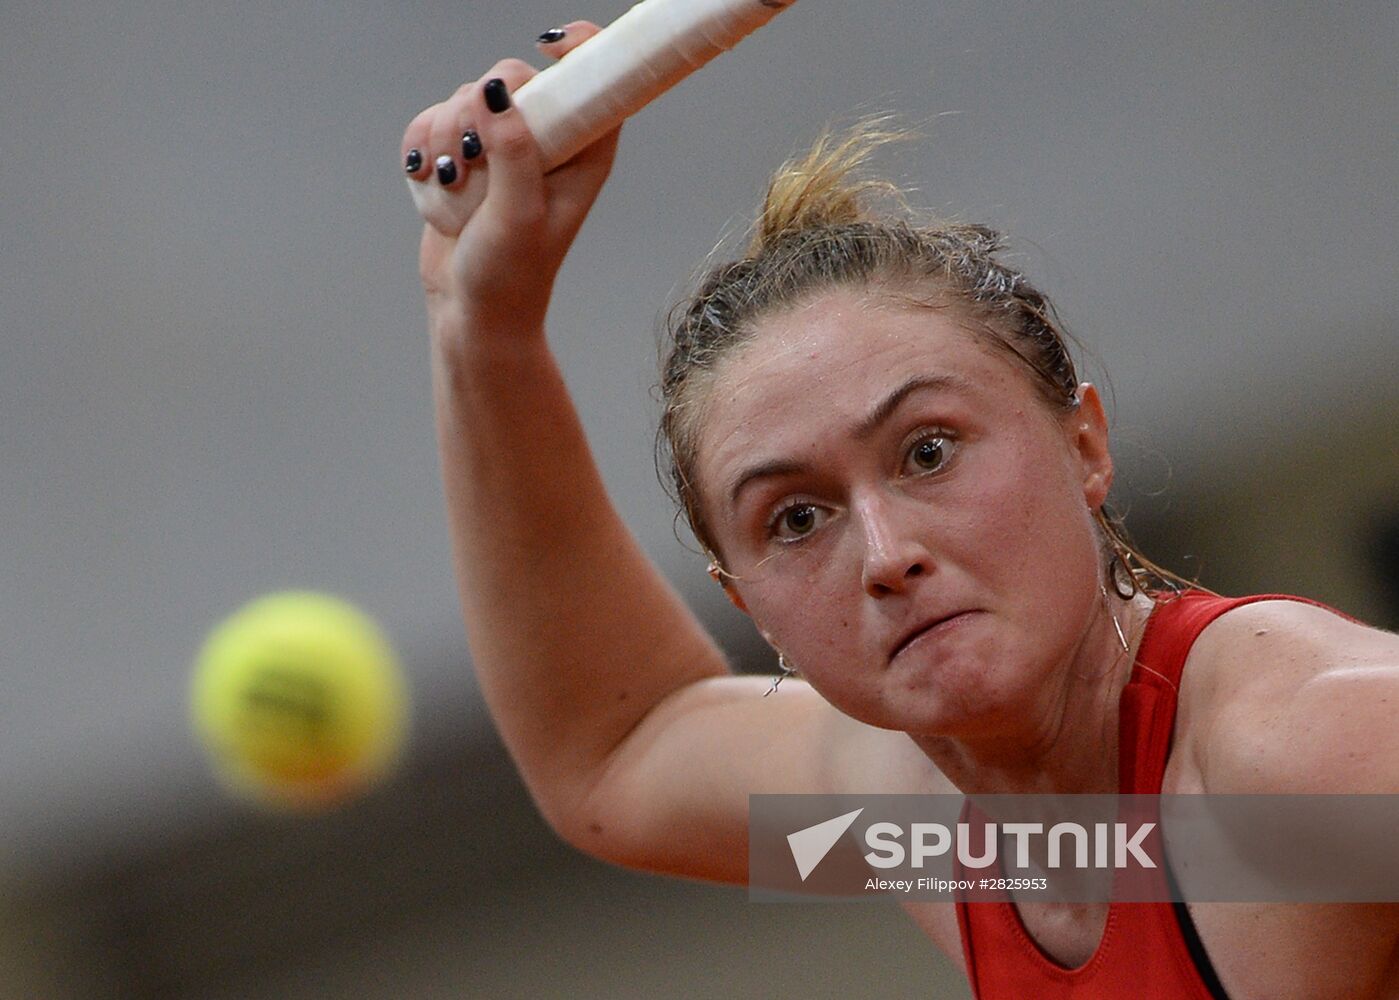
[
  {"x": 1028, "y": 516},
  {"x": 1038, "y": 551},
  {"x": 814, "y": 622},
  {"x": 800, "y": 610}
]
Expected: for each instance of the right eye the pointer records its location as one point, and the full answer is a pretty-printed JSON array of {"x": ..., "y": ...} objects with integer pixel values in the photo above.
[{"x": 796, "y": 521}]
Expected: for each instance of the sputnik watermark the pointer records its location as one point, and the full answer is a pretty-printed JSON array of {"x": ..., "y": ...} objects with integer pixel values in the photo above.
[
  {"x": 938, "y": 885},
  {"x": 811, "y": 845},
  {"x": 1195, "y": 848},
  {"x": 1114, "y": 845},
  {"x": 973, "y": 848}
]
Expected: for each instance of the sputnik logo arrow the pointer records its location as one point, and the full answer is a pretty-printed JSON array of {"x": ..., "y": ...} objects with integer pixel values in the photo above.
[{"x": 809, "y": 846}]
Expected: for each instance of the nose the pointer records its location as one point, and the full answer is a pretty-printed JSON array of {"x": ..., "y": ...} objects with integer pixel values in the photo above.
[{"x": 894, "y": 555}]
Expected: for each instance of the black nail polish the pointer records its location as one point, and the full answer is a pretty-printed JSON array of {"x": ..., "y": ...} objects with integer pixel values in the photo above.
[
  {"x": 552, "y": 35},
  {"x": 470, "y": 144},
  {"x": 446, "y": 170},
  {"x": 413, "y": 162},
  {"x": 497, "y": 97}
]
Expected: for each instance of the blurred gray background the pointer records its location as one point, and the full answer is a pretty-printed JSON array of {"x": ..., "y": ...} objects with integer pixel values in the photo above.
[{"x": 213, "y": 383}]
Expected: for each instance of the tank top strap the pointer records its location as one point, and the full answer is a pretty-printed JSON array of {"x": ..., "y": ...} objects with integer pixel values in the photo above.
[{"x": 1148, "y": 702}]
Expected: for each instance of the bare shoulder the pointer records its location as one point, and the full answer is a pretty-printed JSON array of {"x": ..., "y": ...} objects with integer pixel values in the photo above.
[
  {"x": 673, "y": 796},
  {"x": 1282, "y": 697},
  {"x": 796, "y": 741},
  {"x": 1287, "y": 697}
]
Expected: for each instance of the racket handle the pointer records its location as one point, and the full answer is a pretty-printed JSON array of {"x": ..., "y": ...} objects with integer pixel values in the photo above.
[{"x": 630, "y": 63}]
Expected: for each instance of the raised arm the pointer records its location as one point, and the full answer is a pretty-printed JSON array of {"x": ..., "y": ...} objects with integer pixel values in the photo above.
[{"x": 615, "y": 703}]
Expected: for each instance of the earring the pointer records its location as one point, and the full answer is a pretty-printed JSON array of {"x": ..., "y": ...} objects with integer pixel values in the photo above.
[
  {"x": 716, "y": 572},
  {"x": 1115, "y": 624},
  {"x": 787, "y": 671},
  {"x": 1119, "y": 570},
  {"x": 1124, "y": 581}
]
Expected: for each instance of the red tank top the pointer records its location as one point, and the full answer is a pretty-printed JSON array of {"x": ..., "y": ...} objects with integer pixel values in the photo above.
[{"x": 1144, "y": 953}]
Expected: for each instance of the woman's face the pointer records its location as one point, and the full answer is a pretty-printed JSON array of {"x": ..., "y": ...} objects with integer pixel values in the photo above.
[{"x": 907, "y": 519}]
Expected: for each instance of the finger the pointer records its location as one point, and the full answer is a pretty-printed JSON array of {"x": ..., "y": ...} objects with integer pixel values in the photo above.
[
  {"x": 426, "y": 141},
  {"x": 559, "y": 42},
  {"x": 454, "y": 140},
  {"x": 514, "y": 165},
  {"x": 412, "y": 149},
  {"x": 444, "y": 145},
  {"x": 433, "y": 204}
]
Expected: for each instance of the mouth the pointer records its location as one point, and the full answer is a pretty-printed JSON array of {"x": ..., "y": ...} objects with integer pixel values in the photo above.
[{"x": 930, "y": 627}]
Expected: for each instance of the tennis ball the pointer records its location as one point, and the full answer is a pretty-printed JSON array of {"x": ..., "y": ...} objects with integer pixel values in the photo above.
[{"x": 299, "y": 700}]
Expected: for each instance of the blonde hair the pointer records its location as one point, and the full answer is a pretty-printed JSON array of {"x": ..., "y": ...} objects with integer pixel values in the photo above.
[{"x": 821, "y": 227}]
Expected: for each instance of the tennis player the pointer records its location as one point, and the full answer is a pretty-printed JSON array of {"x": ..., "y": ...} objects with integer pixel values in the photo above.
[{"x": 877, "y": 432}]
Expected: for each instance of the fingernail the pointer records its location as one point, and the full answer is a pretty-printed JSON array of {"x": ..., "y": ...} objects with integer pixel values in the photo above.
[
  {"x": 470, "y": 144},
  {"x": 446, "y": 170},
  {"x": 497, "y": 97},
  {"x": 552, "y": 35}
]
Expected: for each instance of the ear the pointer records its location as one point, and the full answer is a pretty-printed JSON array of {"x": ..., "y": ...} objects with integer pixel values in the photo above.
[
  {"x": 1087, "y": 428},
  {"x": 730, "y": 591}
]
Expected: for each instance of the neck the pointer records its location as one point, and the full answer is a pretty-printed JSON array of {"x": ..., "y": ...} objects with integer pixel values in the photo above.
[{"x": 1071, "y": 745}]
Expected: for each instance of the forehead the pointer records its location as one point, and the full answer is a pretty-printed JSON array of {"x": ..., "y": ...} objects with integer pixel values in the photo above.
[
  {"x": 819, "y": 368},
  {"x": 848, "y": 331}
]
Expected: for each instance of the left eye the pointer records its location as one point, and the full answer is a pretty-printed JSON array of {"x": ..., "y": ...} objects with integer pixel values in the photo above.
[{"x": 930, "y": 454}]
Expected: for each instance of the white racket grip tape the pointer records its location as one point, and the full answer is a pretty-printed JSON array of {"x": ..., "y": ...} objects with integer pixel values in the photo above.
[{"x": 630, "y": 63}]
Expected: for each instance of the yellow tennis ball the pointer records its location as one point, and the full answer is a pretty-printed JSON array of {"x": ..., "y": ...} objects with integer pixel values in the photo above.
[{"x": 300, "y": 700}]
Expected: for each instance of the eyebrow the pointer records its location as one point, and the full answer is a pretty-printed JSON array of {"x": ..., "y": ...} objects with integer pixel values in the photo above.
[{"x": 861, "y": 431}]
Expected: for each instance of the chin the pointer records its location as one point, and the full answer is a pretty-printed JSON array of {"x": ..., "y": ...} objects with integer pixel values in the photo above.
[{"x": 960, "y": 696}]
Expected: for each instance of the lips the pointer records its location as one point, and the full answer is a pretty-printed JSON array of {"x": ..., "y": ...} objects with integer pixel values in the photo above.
[{"x": 926, "y": 626}]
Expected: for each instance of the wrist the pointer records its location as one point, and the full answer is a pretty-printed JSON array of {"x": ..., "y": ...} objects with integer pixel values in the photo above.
[
  {"x": 459, "y": 326},
  {"x": 467, "y": 347}
]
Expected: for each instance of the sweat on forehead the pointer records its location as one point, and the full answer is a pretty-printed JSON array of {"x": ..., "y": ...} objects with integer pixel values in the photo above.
[{"x": 788, "y": 334}]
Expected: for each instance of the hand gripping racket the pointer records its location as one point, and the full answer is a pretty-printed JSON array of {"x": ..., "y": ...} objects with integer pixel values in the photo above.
[{"x": 621, "y": 69}]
